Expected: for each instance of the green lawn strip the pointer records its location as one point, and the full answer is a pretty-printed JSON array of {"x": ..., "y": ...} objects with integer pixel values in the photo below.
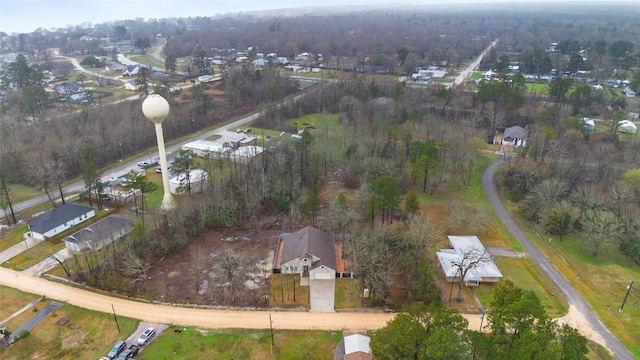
[
  {"x": 88, "y": 334},
  {"x": 600, "y": 280},
  {"x": 347, "y": 293},
  {"x": 527, "y": 275},
  {"x": 241, "y": 344},
  {"x": 13, "y": 237},
  {"x": 537, "y": 88},
  {"x": 19, "y": 193},
  {"x": 35, "y": 254},
  {"x": 13, "y": 300}
]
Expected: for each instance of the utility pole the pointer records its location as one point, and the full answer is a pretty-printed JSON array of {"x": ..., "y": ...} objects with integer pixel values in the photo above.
[
  {"x": 626, "y": 296},
  {"x": 115, "y": 317},
  {"x": 271, "y": 327}
]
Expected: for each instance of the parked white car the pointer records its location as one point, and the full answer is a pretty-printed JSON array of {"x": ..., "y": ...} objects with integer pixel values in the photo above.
[{"x": 146, "y": 335}]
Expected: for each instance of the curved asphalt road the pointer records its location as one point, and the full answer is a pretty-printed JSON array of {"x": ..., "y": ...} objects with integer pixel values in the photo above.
[{"x": 488, "y": 181}]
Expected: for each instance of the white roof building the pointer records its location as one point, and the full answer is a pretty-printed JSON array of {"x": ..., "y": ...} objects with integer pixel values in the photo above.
[
  {"x": 356, "y": 346},
  {"x": 197, "y": 182},
  {"x": 486, "y": 271},
  {"x": 244, "y": 154}
]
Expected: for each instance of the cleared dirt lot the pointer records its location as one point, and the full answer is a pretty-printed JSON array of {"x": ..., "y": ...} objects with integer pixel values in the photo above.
[{"x": 222, "y": 268}]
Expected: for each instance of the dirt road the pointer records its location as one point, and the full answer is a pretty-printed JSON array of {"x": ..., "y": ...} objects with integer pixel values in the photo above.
[
  {"x": 206, "y": 318},
  {"x": 194, "y": 317},
  {"x": 581, "y": 309}
]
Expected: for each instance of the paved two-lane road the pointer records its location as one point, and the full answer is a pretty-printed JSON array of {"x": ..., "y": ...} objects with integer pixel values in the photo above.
[{"x": 489, "y": 183}]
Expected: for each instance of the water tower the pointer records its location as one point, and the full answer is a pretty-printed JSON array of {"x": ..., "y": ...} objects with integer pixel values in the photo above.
[{"x": 156, "y": 109}]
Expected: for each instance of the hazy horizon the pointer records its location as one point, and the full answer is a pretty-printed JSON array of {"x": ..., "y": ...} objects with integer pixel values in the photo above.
[{"x": 25, "y": 16}]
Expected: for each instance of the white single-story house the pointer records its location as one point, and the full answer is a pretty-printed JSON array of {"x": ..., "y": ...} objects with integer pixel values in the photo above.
[
  {"x": 464, "y": 250},
  {"x": 60, "y": 219},
  {"x": 309, "y": 252},
  {"x": 99, "y": 234},
  {"x": 356, "y": 347}
]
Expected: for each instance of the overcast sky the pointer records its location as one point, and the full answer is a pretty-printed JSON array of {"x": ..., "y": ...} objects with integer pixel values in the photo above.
[{"x": 28, "y": 15}]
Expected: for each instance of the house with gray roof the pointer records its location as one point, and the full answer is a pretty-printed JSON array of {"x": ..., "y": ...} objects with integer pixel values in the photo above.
[
  {"x": 309, "y": 252},
  {"x": 515, "y": 135},
  {"x": 60, "y": 219},
  {"x": 99, "y": 234}
]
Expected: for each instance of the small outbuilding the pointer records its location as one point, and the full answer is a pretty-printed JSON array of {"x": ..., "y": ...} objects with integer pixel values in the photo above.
[
  {"x": 356, "y": 347},
  {"x": 626, "y": 126},
  {"x": 589, "y": 124}
]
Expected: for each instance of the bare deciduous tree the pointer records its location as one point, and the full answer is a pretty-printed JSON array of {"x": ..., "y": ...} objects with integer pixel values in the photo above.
[{"x": 470, "y": 259}]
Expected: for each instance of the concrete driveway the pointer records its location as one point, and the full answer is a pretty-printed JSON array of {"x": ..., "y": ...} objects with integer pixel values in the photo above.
[{"x": 322, "y": 295}]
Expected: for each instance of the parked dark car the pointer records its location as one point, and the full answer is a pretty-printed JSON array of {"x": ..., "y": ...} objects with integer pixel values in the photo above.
[
  {"x": 129, "y": 353},
  {"x": 117, "y": 349}
]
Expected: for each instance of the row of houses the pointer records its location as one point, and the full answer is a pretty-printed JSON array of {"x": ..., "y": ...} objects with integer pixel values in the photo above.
[{"x": 70, "y": 215}]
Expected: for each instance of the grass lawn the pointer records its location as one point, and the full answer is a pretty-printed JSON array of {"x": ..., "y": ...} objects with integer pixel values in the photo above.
[
  {"x": 527, "y": 275},
  {"x": 347, "y": 294},
  {"x": 34, "y": 255},
  {"x": 537, "y": 89},
  {"x": 19, "y": 193},
  {"x": 12, "y": 236},
  {"x": 601, "y": 280},
  {"x": 282, "y": 293},
  {"x": 242, "y": 344},
  {"x": 88, "y": 334}
]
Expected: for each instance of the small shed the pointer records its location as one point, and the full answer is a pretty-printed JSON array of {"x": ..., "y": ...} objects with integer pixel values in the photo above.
[
  {"x": 626, "y": 126},
  {"x": 356, "y": 347},
  {"x": 589, "y": 124}
]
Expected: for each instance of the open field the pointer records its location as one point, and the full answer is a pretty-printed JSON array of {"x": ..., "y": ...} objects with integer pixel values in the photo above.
[
  {"x": 601, "y": 281},
  {"x": 87, "y": 335},
  {"x": 195, "y": 343}
]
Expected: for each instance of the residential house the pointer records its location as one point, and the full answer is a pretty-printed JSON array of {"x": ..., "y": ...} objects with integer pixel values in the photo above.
[
  {"x": 130, "y": 70},
  {"x": 356, "y": 347},
  {"x": 99, "y": 234},
  {"x": 60, "y": 219},
  {"x": 260, "y": 62},
  {"x": 309, "y": 252},
  {"x": 515, "y": 135},
  {"x": 303, "y": 56},
  {"x": 464, "y": 250},
  {"x": 131, "y": 85}
]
